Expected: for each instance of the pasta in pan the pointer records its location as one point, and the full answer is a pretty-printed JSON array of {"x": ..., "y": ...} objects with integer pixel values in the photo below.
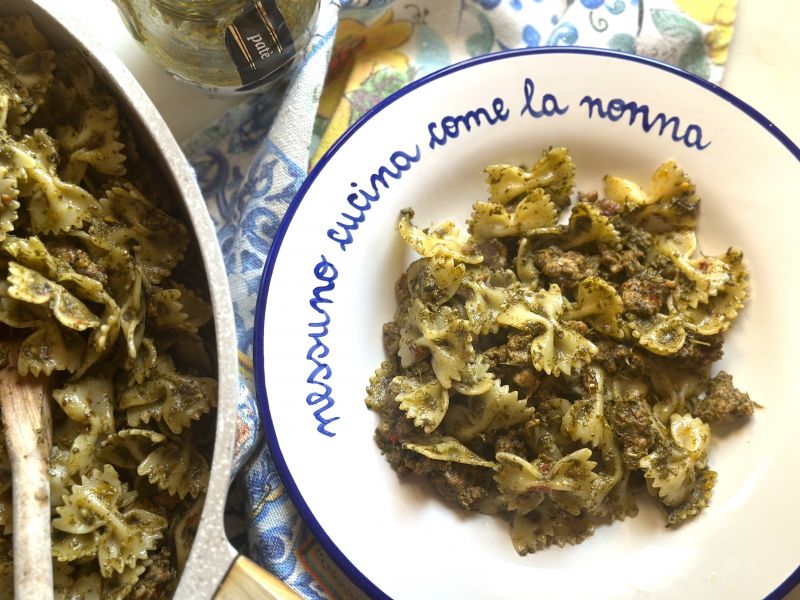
[
  {"x": 96, "y": 288},
  {"x": 544, "y": 366}
]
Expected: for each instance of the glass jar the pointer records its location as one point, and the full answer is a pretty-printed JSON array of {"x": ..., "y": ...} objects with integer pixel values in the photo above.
[{"x": 223, "y": 46}]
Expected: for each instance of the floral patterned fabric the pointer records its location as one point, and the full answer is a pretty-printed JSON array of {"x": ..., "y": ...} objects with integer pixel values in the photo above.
[{"x": 253, "y": 160}]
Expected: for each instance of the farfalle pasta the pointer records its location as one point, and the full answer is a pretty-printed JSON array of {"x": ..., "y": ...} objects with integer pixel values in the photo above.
[
  {"x": 93, "y": 291},
  {"x": 556, "y": 357}
]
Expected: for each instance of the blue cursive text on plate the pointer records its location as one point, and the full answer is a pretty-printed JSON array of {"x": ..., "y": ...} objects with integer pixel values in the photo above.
[
  {"x": 326, "y": 273},
  {"x": 400, "y": 163},
  {"x": 547, "y": 108},
  {"x": 452, "y": 125},
  {"x": 616, "y": 108}
]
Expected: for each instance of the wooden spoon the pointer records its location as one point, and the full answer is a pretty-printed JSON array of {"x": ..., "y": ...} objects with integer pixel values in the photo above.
[
  {"x": 28, "y": 431},
  {"x": 247, "y": 581}
]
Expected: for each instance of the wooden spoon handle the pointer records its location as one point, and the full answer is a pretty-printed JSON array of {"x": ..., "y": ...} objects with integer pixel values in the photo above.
[
  {"x": 28, "y": 438},
  {"x": 33, "y": 565},
  {"x": 247, "y": 581}
]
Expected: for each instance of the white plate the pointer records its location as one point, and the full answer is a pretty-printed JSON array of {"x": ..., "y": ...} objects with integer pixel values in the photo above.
[{"x": 399, "y": 539}]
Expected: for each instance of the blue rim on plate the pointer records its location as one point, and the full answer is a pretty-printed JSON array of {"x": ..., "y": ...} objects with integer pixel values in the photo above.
[{"x": 258, "y": 343}]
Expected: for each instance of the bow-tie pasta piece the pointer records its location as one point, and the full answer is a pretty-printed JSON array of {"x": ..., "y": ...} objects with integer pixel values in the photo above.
[
  {"x": 663, "y": 335},
  {"x": 494, "y": 410},
  {"x": 436, "y": 279},
  {"x": 442, "y": 335},
  {"x": 486, "y": 293},
  {"x": 90, "y": 402},
  {"x": 176, "y": 467},
  {"x": 672, "y": 469},
  {"x": 450, "y": 450},
  {"x": 444, "y": 241},
  {"x": 48, "y": 349},
  {"x": 129, "y": 220},
  {"x": 99, "y": 519},
  {"x": 599, "y": 304},
  {"x": 535, "y": 213},
  {"x": 9, "y": 204},
  {"x": 670, "y": 198},
  {"x": 585, "y": 421},
  {"x": 168, "y": 396},
  {"x": 567, "y": 482},
  {"x": 54, "y": 205},
  {"x": 26, "y": 285},
  {"x": 702, "y": 277},
  {"x": 129, "y": 447},
  {"x": 547, "y": 525},
  {"x": 717, "y": 314},
  {"x": 93, "y": 142},
  {"x": 554, "y": 173},
  {"x": 557, "y": 347},
  {"x": 424, "y": 402},
  {"x": 26, "y": 74},
  {"x": 588, "y": 225},
  {"x": 178, "y": 308}
]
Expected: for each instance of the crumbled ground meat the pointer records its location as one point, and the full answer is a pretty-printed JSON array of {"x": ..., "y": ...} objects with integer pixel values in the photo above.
[
  {"x": 519, "y": 347},
  {"x": 631, "y": 419},
  {"x": 158, "y": 579},
  {"x": 606, "y": 207},
  {"x": 391, "y": 338},
  {"x": 614, "y": 357},
  {"x": 388, "y": 439},
  {"x": 580, "y": 327},
  {"x": 453, "y": 482},
  {"x": 722, "y": 402},
  {"x": 526, "y": 381},
  {"x": 644, "y": 293},
  {"x": 512, "y": 443},
  {"x": 420, "y": 369},
  {"x": 523, "y": 380},
  {"x": 516, "y": 351},
  {"x": 495, "y": 254},
  {"x": 458, "y": 483},
  {"x": 564, "y": 267},
  {"x": 698, "y": 353},
  {"x": 634, "y": 238},
  {"x": 79, "y": 260},
  {"x": 627, "y": 261},
  {"x": 401, "y": 292}
]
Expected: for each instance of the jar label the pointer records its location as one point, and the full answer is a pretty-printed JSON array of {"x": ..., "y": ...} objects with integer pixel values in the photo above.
[{"x": 259, "y": 41}]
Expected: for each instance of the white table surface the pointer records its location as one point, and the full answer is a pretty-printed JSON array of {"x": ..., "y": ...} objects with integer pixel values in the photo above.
[{"x": 762, "y": 70}]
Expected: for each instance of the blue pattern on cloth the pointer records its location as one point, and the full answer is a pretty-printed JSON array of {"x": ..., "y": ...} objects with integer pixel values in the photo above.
[{"x": 252, "y": 161}]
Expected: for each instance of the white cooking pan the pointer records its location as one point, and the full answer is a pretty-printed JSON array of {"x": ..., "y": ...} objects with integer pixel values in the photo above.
[{"x": 214, "y": 569}]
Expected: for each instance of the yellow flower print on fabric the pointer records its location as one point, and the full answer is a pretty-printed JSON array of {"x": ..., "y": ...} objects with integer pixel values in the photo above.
[
  {"x": 719, "y": 13},
  {"x": 360, "y": 51}
]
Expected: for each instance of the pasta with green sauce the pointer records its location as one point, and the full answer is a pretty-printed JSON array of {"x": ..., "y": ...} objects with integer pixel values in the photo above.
[
  {"x": 99, "y": 287},
  {"x": 556, "y": 356}
]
